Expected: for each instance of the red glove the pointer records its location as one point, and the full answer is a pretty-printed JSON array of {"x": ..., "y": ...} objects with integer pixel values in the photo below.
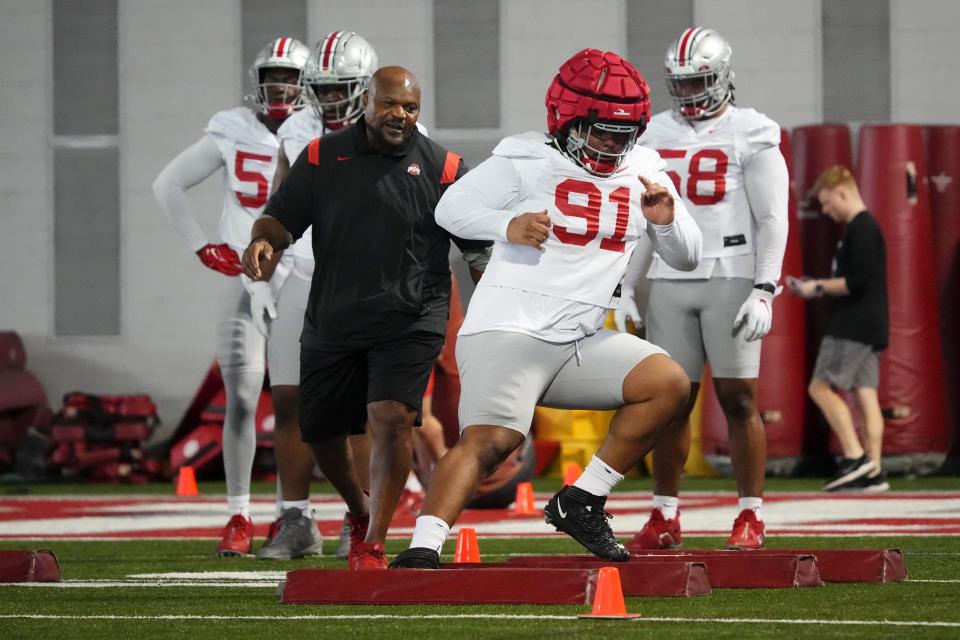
[{"x": 220, "y": 257}]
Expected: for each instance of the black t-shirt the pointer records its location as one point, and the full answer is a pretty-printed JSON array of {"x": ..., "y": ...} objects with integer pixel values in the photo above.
[
  {"x": 382, "y": 264},
  {"x": 861, "y": 316}
]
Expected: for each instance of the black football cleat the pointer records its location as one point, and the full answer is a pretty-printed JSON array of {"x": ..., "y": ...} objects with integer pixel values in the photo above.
[
  {"x": 416, "y": 558},
  {"x": 581, "y": 516}
]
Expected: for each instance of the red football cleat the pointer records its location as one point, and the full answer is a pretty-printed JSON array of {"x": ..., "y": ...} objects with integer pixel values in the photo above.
[
  {"x": 367, "y": 556},
  {"x": 747, "y": 532},
  {"x": 658, "y": 533},
  {"x": 358, "y": 530},
  {"x": 409, "y": 502},
  {"x": 236, "y": 538},
  {"x": 272, "y": 531}
]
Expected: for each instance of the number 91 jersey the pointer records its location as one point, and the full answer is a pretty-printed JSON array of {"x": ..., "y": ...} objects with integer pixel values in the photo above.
[
  {"x": 249, "y": 153},
  {"x": 595, "y": 221},
  {"x": 706, "y": 161}
]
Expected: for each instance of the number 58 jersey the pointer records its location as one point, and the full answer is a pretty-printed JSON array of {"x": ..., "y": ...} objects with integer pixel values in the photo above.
[
  {"x": 249, "y": 153},
  {"x": 595, "y": 221},
  {"x": 706, "y": 161}
]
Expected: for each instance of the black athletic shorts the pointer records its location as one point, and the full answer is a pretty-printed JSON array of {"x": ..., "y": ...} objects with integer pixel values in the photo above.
[{"x": 336, "y": 384}]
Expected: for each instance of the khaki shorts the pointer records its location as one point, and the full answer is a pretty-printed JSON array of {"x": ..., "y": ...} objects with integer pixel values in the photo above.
[
  {"x": 504, "y": 375},
  {"x": 847, "y": 364}
]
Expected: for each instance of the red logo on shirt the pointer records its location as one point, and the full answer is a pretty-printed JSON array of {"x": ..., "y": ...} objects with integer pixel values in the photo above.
[{"x": 413, "y": 169}]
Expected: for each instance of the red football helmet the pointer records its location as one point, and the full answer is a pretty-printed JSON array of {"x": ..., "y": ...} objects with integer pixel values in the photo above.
[{"x": 600, "y": 96}]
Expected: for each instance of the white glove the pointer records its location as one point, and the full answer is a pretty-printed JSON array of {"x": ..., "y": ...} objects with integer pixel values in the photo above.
[
  {"x": 627, "y": 309},
  {"x": 756, "y": 314},
  {"x": 262, "y": 307}
]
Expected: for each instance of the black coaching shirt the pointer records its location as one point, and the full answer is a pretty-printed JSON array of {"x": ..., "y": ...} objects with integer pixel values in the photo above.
[
  {"x": 862, "y": 316},
  {"x": 382, "y": 266}
]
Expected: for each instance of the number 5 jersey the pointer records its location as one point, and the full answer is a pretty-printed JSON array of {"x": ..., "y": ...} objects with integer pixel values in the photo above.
[
  {"x": 730, "y": 174},
  {"x": 562, "y": 292}
]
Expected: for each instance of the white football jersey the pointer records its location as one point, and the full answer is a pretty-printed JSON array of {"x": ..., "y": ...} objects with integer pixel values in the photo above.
[
  {"x": 596, "y": 222},
  {"x": 249, "y": 153},
  {"x": 706, "y": 161}
]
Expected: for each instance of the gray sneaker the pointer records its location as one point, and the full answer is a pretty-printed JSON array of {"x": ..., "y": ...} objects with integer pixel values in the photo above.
[
  {"x": 344, "y": 547},
  {"x": 298, "y": 536}
]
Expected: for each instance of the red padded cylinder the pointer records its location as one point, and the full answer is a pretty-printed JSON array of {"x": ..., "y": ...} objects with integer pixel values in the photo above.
[
  {"x": 943, "y": 181},
  {"x": 890, "y": 168},
  {"x": 782, "y": 383},
  {"x": 815, "y": 148}
]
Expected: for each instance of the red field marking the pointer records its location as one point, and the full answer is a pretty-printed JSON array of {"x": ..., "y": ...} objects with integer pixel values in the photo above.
[{"x": 808, "y": 513}]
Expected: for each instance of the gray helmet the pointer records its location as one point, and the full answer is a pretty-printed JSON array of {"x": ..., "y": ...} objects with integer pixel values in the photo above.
[
  {"x": 340, "y": 58},
  {"x": 280, "y": 53},
  {"x": 698, "y": 74}
]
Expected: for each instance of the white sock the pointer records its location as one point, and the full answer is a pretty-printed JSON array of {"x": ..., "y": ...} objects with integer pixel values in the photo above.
[
  {"x": 413, "y": 483},
  {"x": 303, "y": 505},
  {"x": 278, "y": 505},
  {"x": 430, "y": 533},
  {"x": 752, "y": 503},
  {"x": 239, "y": 504},
  {"x": 598, "y": 478},
  {"x": 668, "y": 505}
]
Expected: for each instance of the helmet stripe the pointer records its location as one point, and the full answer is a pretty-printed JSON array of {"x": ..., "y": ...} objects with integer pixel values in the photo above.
[
  {"x": 682, "y": 54},
  {"x": 328, "y": 48},
  {"x": 281, "y": 43}
]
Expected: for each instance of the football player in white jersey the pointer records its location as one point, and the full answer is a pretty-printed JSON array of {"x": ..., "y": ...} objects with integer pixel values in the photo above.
[
  {"x": 335, "y": 76},
  {"x": 242, "y": 142},
  {"x": 726, "y": 163},
  {"x": 565, "y": 211}
]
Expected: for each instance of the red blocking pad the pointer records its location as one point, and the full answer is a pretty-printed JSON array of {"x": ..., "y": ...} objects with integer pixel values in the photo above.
[
  {"x": 668, "y": 578},
  {"x": 890, "y": 170},
  {"x": 860, "y": 565},
  {"x": 725, "y": 569},
  {"x": 29, "y": 566},
  {"x": 942, "y": 145},
  {"x": 834, "y": 565},
  {"x": 520, "y": 585}
]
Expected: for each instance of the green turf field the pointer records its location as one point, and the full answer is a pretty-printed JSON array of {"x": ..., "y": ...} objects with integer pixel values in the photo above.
[{"x": 926, "y": 606}]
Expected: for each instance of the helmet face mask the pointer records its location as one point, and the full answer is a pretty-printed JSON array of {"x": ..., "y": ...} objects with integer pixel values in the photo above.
[
  {"x": 698, "y": 74},
  {"x": 597, "y": 106},
  {"x": 275, "y": 76},
  {"x": 336, "y": 76},
  {"x": 600, "y": 147}
]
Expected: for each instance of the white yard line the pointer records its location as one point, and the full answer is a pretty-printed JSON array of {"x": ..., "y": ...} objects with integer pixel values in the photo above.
[
  {"x": 935, "y": 581},
  {"x": 491, "y": 616}
]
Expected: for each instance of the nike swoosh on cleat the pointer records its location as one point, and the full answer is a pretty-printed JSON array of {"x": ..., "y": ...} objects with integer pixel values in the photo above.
[
  {"x": 563, "y": 514},
  {"x": 342, "y": 158}
]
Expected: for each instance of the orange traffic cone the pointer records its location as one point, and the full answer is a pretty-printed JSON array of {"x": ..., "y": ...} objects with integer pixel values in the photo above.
[
  {"x": 186, "y": 482},
  {"x": 571, "y": 473},
  {"x": 524, "y": 506},
  {"x": 608, "y": 599},
  {"x": 467, "y": 548}
]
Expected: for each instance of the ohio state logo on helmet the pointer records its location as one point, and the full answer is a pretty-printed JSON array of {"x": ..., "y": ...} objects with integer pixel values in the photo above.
[{"x": 597, "y": 106}]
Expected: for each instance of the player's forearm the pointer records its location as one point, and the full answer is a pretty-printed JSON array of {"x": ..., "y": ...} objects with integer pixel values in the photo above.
[
  {"x": 459, "y": 213},
  {"x": 679, "y": 243},
  {"x": 475, "y": 206},
  {"x": 768, "y": 191},
  {"x": 189, "y": 168}
]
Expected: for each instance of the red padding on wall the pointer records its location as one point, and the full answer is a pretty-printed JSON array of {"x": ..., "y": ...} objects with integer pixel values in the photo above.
[
  {"x": 890, "y": 170},
  {"x": 943, "y": 180}
]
